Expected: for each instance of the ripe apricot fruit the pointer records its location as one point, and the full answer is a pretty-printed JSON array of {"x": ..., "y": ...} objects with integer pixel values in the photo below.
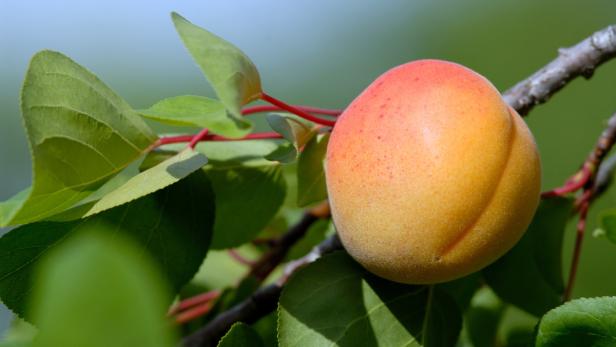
[{"x": 431, "y": 175}]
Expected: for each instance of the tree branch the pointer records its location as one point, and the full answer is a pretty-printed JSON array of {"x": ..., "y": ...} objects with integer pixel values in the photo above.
[
  {"x": 260, "y": 303},
  {"x": 579, "y": 60}
]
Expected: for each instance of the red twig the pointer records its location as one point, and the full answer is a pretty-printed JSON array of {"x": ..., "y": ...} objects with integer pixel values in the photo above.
[
  {"x": 200, "y": 136},
  {"x": 240, "y": 258},
  {"x": 577, "y": 249},
  {"x": 194, "y": 301},
  {"x": 194, "y": 313},
  {"x": 210, "y": 137},
  {"x": 296, "y": 111},
  {"x": 271, "y": 108},
  {"x": 573, "y": 184}
]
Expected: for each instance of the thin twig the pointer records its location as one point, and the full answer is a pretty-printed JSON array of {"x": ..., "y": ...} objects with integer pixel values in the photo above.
[
  {"x": 260, "y": 303},
  {"x": 579, "y": 60}
]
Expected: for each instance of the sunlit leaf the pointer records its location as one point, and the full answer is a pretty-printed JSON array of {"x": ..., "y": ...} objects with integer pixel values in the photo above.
[
  {"x": 191, "y": 110},
  {"x": 153, "y": 179},
  {"x": 80, "y": 133},
  {"x": 335, "y": 302},
  {"x": 588, "y": 322},
  {"x": 233, "y": 76},
  {"x": 239, "y": 335},
  {"x": 100, "y": 291}
]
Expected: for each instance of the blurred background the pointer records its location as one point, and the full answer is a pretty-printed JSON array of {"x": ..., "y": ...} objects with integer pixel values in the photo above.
[{"x": 323, "y": 53}]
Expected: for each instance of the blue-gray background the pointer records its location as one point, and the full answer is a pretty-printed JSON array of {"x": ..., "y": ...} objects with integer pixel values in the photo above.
[{"x": 323, "y": 53}]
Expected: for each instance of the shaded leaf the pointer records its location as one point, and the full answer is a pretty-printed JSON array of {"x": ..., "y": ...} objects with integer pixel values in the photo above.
[
  {"x": 247, "y": 198},
  {"x": 169, "y": 224},
  {"x": 80, "y": 134},
  {"x": 153, "y": 179},
  {"x": 483, "y": 317},
  {"x": 285, "y": 154},
  {"x": 241, "y": 335},
  {"x": 191, "y": 110},
  {"x": 530, "y": 275},
  {"x": 310, "y": 173},
  {"x": 98, "y": 290},
  {"x": 588, "y": 322},
  {"x": 233, "y": 76},
  {"x": 335, "y": 302}
]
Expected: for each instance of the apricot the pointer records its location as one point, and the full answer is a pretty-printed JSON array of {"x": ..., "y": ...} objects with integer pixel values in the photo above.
[{"x": 431, "y": 175}]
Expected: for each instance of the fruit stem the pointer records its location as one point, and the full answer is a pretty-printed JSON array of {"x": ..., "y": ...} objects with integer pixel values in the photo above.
[
  {"x": 310, "y": 109},
  {"x": 296, "y": 111}
]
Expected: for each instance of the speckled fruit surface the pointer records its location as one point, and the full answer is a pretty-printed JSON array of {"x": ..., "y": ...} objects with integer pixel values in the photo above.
[{"x": 430, "y": 175}]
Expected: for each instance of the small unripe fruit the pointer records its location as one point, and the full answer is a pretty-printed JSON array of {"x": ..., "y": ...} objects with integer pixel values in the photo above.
[{"x": 431, "y": 175}]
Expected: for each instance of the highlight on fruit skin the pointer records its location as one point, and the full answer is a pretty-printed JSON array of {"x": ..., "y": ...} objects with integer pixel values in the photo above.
[{"x": 431, "y": 175}]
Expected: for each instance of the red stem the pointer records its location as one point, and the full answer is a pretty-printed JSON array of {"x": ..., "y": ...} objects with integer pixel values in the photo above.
[
  {"x": 194, "y": 313},
  {"x": 296, "y": 110},
  {"x": 194, "y": 301},
  {"x": 577, "y": 250},
  {"x": 200, "y": 136},
  {"x": 210, "y": 137},
  {"x": 240, "y": 258},
  {"x": 573, "y": 184},
  {"x": 310, "y": 109}
]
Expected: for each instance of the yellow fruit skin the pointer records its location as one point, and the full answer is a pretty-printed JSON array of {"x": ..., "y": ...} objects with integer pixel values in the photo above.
[{"x": 430, "y": 175}]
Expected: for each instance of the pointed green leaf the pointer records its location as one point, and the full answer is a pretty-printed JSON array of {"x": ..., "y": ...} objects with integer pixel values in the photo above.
[
  {"x": 232, "y": 75},
  {"x": 151, "y": 180},
  {"x": 174, "y": 225},
  {"x": 191, "y": 110},
  {"x": 80, "y": 133},
  {"x": 310, "y": 173},
  {"x": 335, "y": 302},
  {"x": 100, "y": 291},
  {"x": 291, "y": 128},
  {"x": 588, "y": 322},
  {"x": 240, "y": 335},
  {"x": 530, "y": 275}
]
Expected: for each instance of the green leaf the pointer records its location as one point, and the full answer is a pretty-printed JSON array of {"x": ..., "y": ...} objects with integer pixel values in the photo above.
[
  {"x": 483, "y": 317},
  {"x": 241, "y": 335},
  {"x": 191, "y": 110},
  {"x": 285, "y": 154},
  {"x": 174, "y": 225},
  {"x": 588, "y": 322},
  {"x": 530, "y": 275},
  {"x": 335, "y": 302},
  {"x": 99, "y": 290},
  {"x": 608, "y": 224},
  {"x": 233, "y": 76},
  {"x": 151, "y": 180},
  {"x": 247, "y": 198},
  {"x": 310, "y": 174},
  {"x": 80, "y": 133}
]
